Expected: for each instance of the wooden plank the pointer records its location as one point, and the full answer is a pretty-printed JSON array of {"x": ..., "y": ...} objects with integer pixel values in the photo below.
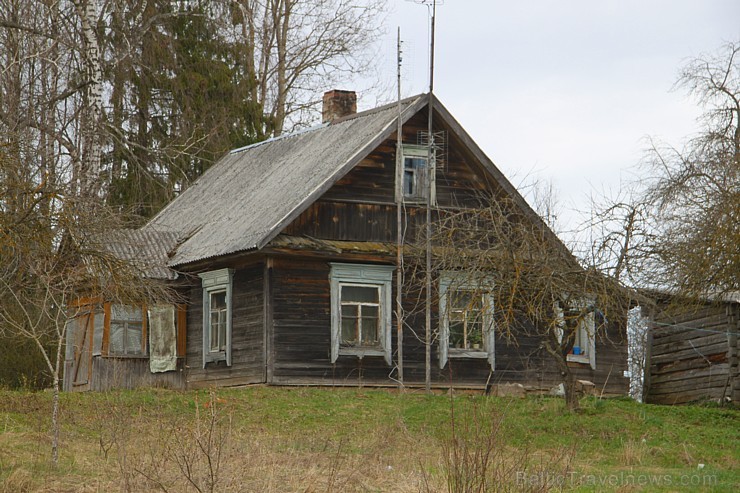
[
  {"x": 707, "y": 340},
  {"x": 686, "y": 364},
  {"x": 679, "y": 335},
  {"x": 106, "y": 329},
  {"x": 713, "y": 370},
  {"x": 117, "y": 372},
  {"x": 706, "y": 351},
  {"x": 691, "y": 384},
  {"x": 182, "y": 329}
]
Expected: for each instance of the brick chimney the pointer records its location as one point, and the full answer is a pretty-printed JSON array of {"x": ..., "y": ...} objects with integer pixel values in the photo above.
[{"x": 338, "y": 104}]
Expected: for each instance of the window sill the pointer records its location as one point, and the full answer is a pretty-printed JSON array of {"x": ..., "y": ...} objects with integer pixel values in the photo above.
[
  {"x": 578, "y": 358},
  {"x": 415, "y": 200},
  {"x": 126, "y": 356},
  {"x": 466, "y": 353},
  {"x": 361, "y": 352},
  {"x": 215, "y": 357}
]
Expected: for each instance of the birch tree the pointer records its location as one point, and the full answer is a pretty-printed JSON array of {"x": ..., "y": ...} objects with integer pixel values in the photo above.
[
  {"x": 296, "y": 50},
  {"x": 51, "y": 256}
]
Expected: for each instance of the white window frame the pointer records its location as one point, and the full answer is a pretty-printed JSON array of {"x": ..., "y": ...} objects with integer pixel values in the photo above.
[
  {"x": 421, "y": 177},
  {"x": 484, "y": 286},
  {"x": 361, "y": 275},
  {"x": 216, "y": 281},
  {"x": 585, "y": 331}
]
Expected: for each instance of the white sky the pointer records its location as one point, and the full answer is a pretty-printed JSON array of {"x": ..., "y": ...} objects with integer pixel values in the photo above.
[{"x": 562, "y": 90}]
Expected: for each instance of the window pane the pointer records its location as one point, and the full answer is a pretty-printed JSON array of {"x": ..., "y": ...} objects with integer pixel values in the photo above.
[
  {"x": 349, "y": 330},
  {"x": 218, "y": 321},
  {"x": 125, "y": 312},
  {"x": 133, "y": 338},
  {"x": 408, "y": 183},
  {"x": 115, "y": 345},
  {"x": 222, "y": 331},
  {"x": 414, "y": 163},
  {"x": 463, "y": 300},
  {"x": 457, "y": 331},
  {"x": 475, "y": 334},
  {"x": 215, "y": 330},
  {"x": 98, "y": 334},
  {"x": 369, "y": 331},
  {"x": 360, "y": 294},
  {"x": 218, "y": 300}
]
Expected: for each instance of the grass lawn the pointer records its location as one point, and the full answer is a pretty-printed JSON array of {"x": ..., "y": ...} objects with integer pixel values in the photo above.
[{"x": 266, "y": 439}]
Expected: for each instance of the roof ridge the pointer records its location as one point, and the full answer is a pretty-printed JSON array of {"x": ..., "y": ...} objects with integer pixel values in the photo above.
[
  {"x": 278, "y": 137},
  {"x": 377, "y": 109},
  {"x": 359, "y": 114}
]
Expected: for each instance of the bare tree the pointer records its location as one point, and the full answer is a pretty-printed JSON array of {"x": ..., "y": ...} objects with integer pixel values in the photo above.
[
  {"x": 696, "y": 190},
  {"x": 295, "y": 50},
  {"x": 51, "y": 256},
  {"x": 538, "y": 288}
]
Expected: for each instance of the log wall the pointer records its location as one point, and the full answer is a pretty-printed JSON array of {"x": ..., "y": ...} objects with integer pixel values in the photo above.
[
  {"x": 300, "y": 347},
  {"x": 693, "y": 356},
  {"x": 247, "y": 334},
  {"x": 111, "y": 372}
]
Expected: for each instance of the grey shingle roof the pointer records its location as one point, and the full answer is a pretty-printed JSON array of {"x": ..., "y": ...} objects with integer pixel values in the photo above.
[
  {"x": 248, "y": 196},
  {"x": 148, "y": 249}
]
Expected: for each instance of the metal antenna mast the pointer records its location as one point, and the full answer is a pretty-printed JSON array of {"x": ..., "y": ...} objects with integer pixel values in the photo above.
[
  {"x": 430, "y": 181},
  {"x": 399, "y": 225},
  {"x": 431, "y": 196}
]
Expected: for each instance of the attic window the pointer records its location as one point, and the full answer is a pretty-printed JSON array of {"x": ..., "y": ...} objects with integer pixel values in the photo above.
[{"x": 415, "y": 184}]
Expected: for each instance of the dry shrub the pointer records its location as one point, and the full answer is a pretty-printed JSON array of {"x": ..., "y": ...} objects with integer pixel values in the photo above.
[
  {"x": 478, "y": 458},
  {"x": 633, "y": 452},
  {"x": 19, "y": 481}
]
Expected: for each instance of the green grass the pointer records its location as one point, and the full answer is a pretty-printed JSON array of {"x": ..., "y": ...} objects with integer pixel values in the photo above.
[{"x": 282, "y": 439}]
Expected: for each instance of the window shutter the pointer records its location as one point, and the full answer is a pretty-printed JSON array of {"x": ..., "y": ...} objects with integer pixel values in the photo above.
[
  {"x": 182, "y": 317},
  {"x": 335, "y": 317},
  {"x": 229, "y": 310},
  {"x": 591, "y": 328},
  {"x": 206, "y": 311},
  {"x": 387, "y": 314},
  {"x": 490, "y": 332}
]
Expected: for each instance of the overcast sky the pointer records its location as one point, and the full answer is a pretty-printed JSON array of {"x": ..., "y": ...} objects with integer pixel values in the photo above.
[{"x": 563, "y": 90}]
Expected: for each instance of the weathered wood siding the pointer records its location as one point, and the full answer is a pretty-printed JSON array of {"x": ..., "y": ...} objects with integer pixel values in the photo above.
[
  {"x": 301, "y": 343},
  {"x": 361, "y": 205},
  {"x": 247, "y": 334},
  {"x": 693, "y": 355},
  {"x": 111, "y": 372}
]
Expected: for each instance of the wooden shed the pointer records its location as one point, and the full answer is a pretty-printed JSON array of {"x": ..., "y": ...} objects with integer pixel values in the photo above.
[
  {"x": 693, "y": 352},
  {"x": 285, "y": 252}
]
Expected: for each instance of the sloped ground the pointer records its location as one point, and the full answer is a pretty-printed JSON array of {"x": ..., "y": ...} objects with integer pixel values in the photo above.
[{"x": 267, "y": 439}]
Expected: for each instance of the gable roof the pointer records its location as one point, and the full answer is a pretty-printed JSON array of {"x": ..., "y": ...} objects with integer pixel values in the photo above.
[
  {"x": 146, "y": 249},
  {"x": 248, "y": 196}
]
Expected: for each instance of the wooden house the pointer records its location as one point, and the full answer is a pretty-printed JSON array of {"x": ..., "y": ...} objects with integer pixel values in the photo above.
[
  {"x": 693, "y": 352},
  {"x": 285, "y": 252}
]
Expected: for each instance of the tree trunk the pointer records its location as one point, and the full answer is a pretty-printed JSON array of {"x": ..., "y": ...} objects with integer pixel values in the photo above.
[
  {"x": 55, "y": 422},
  {"x": 571, "y": 394},
  {"x": 89, "y": 162}
]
